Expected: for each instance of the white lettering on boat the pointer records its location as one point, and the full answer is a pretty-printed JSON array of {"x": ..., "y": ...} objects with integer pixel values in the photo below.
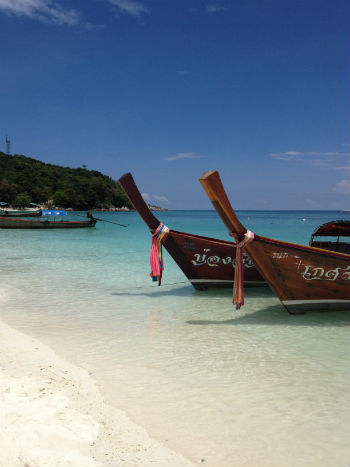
[
  {"x": 279, "y": 255},
  {"x": 312, "y": 273},
  {"x": 216, "y": 261},
  {"x": 346, "y": 274},
  {"x": 200, "y": 259}
]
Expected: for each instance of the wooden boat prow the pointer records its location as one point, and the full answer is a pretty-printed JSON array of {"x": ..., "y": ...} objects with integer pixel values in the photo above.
[
  {"x": 129, "y": 186},
  {"x": 216, "y": 192},
  {"x": 304, "y": 278},
  {"x": 206, "y": 262}
]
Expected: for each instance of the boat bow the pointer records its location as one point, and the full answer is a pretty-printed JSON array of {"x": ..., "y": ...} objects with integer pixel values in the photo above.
[
  {"x": 303, "y": 277},
  {"x": 129, "y": 186},
  {"x": 206, "y": 262}
]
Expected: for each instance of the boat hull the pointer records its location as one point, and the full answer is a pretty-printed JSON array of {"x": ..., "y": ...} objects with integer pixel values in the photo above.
[
  {"x": 303, "y": 278},
  {"x": 205, "y": 261},
  {"x": 209, "y": 262},
  {"x": 19, "y": 213},
  {"x": 11, "y": 223}
]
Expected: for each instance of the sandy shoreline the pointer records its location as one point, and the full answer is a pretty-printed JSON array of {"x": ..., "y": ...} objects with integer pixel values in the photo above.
[{"x": 52, "y": 414}]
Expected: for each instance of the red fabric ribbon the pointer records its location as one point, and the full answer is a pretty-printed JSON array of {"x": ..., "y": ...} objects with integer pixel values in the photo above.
[{"x": 156, "y": 256}]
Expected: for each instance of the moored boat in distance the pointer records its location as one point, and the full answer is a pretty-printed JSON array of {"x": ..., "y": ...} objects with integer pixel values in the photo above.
[
  {"x": 45, "y": 222},
  {"x": 205, "y": 261},
  {"x": 304, "y": 278},
  {"x": 330, "y": 231},
  {"x": 5, "y": 211}
]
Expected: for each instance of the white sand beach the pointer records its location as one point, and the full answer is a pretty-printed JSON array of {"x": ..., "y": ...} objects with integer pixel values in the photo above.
[{"x": 52, "y": 414}]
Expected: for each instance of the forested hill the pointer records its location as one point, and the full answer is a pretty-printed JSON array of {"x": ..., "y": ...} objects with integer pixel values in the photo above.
[{"x": 24, "y": 180}]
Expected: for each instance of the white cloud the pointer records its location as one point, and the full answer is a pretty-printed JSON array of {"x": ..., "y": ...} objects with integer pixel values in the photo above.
[
  {"x": 182, "y": 155},
  {"x": 289, "y": 155},
  {"x": 46, "y": 11},
  {"x": 342, "y": 187},
  {"x": 130, "y": 7},
  {"x": 150, "y": 198},
  {"x": 215, "y": 8},
  {"x": 316, "y": 158},
  {"x": 292, "y": 153},
  {"x": 284, "y": 156},
  {"x": 160, "y": 198}
]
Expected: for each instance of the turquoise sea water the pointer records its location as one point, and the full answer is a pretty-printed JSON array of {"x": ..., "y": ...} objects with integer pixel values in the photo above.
[{"x": 250, "y": 387}]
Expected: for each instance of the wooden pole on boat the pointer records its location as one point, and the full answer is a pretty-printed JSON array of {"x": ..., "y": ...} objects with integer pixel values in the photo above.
[
  {"x": 213, "y": 186},
  {"x": 129, "y": 186}
]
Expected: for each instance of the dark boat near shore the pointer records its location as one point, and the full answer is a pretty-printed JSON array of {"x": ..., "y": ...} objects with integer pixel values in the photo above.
[
  {"x": 304, "y": 278},
  {"x": 45, "y": 223},
  {"x": 206, "y": 262},
  {"x": 7, "y": 211},
  {"x": 19, "y": 212}
]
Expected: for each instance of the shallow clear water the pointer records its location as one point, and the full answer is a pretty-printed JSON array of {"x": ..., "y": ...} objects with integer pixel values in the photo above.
[{"x": 249, "y": 387}]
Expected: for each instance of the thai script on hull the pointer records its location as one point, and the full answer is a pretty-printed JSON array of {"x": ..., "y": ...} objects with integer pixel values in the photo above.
[
  {"x": 311, "y": 273},
  {"x": 200, "y": 259}
]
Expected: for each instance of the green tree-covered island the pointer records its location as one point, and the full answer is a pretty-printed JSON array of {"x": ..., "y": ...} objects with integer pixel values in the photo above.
[{"x": 24, "y": 180}]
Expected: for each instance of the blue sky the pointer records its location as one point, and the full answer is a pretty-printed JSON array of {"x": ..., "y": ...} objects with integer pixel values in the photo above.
[{"x": 167, "y": 89}]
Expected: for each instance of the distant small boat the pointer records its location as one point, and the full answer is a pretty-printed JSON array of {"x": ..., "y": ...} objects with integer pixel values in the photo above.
[
  {"x": 338, "y": 230},
  {"x": 45, "y": 222},
  {"x": 25, "y": 212},
  {"x": 303, "y": 277},
  {"x": 205, "y": 261}
]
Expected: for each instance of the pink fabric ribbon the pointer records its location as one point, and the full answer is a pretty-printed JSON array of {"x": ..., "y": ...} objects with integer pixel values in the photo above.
[
  {"x": 238, "y": 289},
  {"x": 156, "y": 256}
]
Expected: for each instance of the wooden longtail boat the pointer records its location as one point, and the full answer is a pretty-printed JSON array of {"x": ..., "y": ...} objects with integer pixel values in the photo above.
[
  {"x": 13, "y": 223},
  {"x": 206, "y": 262},
  {"x": 337, "y": 229},
  {"x": 303, "y": 277},
  {"x": 7, "y": 212}
]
